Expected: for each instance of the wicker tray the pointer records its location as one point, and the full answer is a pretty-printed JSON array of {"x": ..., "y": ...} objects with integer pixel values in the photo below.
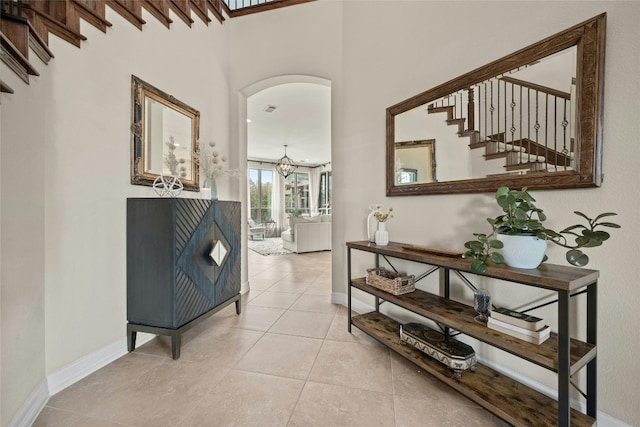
[{"x": 389, "y": 281}]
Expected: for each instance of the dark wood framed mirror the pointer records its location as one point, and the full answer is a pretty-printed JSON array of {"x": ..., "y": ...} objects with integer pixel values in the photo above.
[
  {"x": 532, "y": 118},
  {"x": 164, "y": 137}
]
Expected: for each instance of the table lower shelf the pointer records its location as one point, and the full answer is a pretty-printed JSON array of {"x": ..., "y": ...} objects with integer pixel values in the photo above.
[{"x": 508, "y": 399}]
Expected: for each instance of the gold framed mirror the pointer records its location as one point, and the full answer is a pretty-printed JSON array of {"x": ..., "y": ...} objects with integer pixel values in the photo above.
[
  {"x": 530, "y": 119},
  {"x": 415, "y": 161},
  {"x": 165, "y": 135}
]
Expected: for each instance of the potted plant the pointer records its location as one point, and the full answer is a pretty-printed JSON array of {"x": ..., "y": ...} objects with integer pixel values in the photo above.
[{"x": 521, "y": 217}]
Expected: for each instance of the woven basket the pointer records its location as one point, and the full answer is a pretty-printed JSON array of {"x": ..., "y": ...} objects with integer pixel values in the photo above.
[{"x": 389, "y": 281}]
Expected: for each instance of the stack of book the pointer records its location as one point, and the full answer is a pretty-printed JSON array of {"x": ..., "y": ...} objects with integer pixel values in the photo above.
[{"x": 523, "y": 326}]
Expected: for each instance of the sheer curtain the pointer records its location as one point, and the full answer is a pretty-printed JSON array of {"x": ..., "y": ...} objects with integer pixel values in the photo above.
[
  {"x": 314, "y": 189},
  {"x": 277, "y": 201}
]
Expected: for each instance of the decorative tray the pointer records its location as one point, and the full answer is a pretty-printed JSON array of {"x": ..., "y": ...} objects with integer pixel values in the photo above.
[
  {"x": 455, "y": 354},
  {"x": 435, "y": 251}
]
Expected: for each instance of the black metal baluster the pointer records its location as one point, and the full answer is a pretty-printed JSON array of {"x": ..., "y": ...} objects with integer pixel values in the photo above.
[
  {"x": 537, "y": 125},
  {"x": 498, "y": 118},
  {"x": 555, "y": 132},
  {"x": 485, "y": 110},
  {"x": 564, "y": 135},
  {"x": 528, "y": 124},
  {"x": 505, "y": 117},
  {"x": 512, "y": 129},
  {"x": 546, "y": 127},
  {"x": 491, "y": 108},
  {"x": 520, "y": 125}
]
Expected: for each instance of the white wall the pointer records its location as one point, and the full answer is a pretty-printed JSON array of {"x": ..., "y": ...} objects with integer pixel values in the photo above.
[
  {"x": 378, "y": 53},
  {"x": 24, "y": 138},
  {"x": 68, "y": 205},
  {"x": 66, "y": 177}
]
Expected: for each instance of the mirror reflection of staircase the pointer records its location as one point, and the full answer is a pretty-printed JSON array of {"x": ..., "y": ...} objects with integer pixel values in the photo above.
[{"x": 528, "y": 127}]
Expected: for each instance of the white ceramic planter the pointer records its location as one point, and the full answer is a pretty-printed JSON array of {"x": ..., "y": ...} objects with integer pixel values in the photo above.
[{"x": 522, "y": 251}]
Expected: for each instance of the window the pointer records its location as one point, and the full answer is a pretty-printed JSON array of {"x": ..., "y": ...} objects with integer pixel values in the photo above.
[
  {"x": 260, "y": 190},
  {"x": 324, "y": 198},
  {"x": 296, "y": 193}
]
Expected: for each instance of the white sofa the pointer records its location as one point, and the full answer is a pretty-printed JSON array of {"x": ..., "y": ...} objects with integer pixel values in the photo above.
[{"x": 308, "y": 235}]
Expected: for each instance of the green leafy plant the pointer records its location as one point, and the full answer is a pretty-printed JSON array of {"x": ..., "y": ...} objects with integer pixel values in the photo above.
[
  {"x": 296, "y": 213},
  {"x": 521, "y": 216}
]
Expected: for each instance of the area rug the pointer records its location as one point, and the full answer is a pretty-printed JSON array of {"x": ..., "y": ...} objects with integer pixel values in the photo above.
[{"x": 270, "y": 246}]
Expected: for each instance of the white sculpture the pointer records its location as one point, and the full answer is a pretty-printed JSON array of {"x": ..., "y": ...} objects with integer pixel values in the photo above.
[{"x": 167, "y": 186}]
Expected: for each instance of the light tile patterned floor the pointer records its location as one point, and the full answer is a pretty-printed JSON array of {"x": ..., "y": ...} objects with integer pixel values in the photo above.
[{"x": 287, "y": 360}]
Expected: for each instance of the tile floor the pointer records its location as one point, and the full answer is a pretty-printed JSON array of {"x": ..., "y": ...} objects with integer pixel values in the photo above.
[{"x": 287, "y": 360}]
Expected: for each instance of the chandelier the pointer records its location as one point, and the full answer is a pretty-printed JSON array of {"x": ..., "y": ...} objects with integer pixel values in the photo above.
[{"x": 285, "y": 166}]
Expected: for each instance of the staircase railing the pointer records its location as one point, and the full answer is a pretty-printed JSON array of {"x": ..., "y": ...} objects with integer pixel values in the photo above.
[
  {"x": 12, "y": 8},
  {"x": 512, "y": 115}
]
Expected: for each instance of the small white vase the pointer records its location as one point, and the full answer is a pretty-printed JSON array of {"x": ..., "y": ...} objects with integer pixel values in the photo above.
[
  {"x": 522, "y": 251},
  {"x": 382, "y": 236}
]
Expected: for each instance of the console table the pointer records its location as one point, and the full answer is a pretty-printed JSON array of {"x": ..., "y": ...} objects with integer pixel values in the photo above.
[{"x": 501, "y": 395}]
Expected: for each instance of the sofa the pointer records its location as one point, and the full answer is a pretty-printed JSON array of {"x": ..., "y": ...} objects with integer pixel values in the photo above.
[{"x": 308, "y": 234}]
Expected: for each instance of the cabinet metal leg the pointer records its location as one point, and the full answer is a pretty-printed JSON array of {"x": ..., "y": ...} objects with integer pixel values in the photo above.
[
  {"x": 131, "y": 339},
  {"x": 176, "y": 339},
  {"x": 238, "y": 307}
]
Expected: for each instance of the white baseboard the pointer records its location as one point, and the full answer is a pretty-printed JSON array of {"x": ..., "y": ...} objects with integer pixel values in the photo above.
[
  {"x": 604, "y": 419},
  {"x": 71, "y": 373},
  {"x": 77, "y": 370},
  {"x": 32, "y": 406},
  {"x": 245, "y": 287},
  {"x": 356, "y": 305}
]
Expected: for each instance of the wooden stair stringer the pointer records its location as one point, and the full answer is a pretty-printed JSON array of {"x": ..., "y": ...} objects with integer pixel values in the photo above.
[
  {"x": 474, "y": 135},
  {"x": 39, "y": 18},
  {"x": 92, "y": 11},
  {"x": 17, "y": 62},
  {"x": 45, "y": 24},
  {"x": 553, "y": 157}
]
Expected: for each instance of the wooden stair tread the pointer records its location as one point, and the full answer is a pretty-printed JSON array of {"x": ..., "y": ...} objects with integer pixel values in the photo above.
[
  {"x": 533, "y": 166},
  {"x": 500, "y": 154},
  {"x": 48, "y": 24},
  {"x": 508, "y": 399},
  {"x": 5, "y": 88}
]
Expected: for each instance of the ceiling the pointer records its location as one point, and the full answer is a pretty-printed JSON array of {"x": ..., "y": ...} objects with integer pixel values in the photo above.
[{"x": 301, "y": 119}]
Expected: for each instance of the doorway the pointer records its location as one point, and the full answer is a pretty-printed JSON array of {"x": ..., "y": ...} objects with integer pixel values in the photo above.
[{"x": 292, "y": 119}]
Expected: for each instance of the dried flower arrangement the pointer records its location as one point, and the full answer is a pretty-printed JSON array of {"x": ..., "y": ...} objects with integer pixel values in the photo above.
[
  {"x": 211, "y": 163},
  {"x": 176, "y": 166},
  {"x": 383, "y": 217}
]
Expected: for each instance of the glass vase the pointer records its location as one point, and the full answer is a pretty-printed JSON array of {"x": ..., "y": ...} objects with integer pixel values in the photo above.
[
  {"x": 211, "y": 188},
  {"x": 482, "y": 305}
]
